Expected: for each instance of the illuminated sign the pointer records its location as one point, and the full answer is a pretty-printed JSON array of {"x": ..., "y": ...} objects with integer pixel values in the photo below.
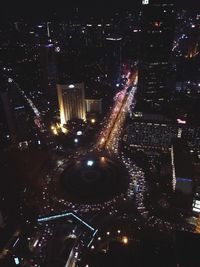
[{"x": 145, "y": 2}]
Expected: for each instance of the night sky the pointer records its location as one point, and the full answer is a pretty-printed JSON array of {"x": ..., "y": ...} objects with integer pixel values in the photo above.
[{"x": 45, "y": 9}]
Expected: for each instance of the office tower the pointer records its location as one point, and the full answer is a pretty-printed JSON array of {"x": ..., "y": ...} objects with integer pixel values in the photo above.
[
  {"x": 182, "y": 173},
  {"x": 48, "y": 71},
  {"x": 157, "y": 28},
  {"x": 93, "y": 105},
  {"x": 152, "y": 136},
  {"x": 71, "y": 99},
  {"x": 113, "y": 57}
]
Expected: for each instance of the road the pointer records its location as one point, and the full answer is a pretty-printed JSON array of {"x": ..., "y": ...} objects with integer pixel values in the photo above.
[
  {"x": 110, "y": 134},
  {"x": 37, "y": 115}
]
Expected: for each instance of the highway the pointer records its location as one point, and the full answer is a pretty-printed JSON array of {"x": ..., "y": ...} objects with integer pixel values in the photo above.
[{"x": 111, "y": 132}]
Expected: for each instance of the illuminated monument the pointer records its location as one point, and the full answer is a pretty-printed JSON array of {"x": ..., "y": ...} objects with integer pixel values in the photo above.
[{"x": 71, "y": 99}]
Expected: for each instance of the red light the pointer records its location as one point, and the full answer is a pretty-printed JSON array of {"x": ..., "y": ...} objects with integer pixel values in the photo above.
[{"x": 157, "y": 23}]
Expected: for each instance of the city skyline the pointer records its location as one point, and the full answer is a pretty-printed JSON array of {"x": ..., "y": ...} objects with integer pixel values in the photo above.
[{"x": 100, "y": 134}]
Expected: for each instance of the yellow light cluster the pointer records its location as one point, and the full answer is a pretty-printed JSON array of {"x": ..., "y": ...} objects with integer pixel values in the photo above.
[
  {"x": 54, "y": 130},
  {"x": 198, "y": 226},
  {"x": 58, "y": 128},
  {"x": 63, "y": 129}
]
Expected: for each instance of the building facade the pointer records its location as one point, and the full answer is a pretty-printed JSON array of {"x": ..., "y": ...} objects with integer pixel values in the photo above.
[
  {"x": 182, "y": 173},
  {"x": 93, "y": 106},
  {"x": 157, "y": 30},
  {"x": 71, "y": 100},
  {"x": 113, "y": 44}
]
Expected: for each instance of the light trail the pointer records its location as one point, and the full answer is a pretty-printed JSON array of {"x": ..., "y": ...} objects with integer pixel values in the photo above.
[
  {"x": 38, "y": 117},
  {"x": 112, "y": 142},
  {"x": 111, "y": 132}
]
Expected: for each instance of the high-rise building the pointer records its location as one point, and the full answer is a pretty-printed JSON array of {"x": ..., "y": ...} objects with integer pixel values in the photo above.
[
  {"x": 157, "y": 29},
  {"x": 113, "y": 57},
  {"x": 48, "y": 71},
  {"x": 93, "y": 105},
  {"x": 182, "y": 173},
  {"x": 71, "y": 99}
]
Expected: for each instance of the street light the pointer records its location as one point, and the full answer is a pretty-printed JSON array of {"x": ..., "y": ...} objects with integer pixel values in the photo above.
[{"x": 125, "y": 240}]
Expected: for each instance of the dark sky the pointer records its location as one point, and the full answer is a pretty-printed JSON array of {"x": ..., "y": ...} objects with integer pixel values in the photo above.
[{"x": 34, "y": 9}]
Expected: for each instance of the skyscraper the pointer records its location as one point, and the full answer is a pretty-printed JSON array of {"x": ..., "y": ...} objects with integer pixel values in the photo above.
[
  {"x": 48, "y": 71},
  {"x": 71, "y": 99},
  {"x": 182, "y": 173},
  {"x": 113, "y": 57},
  {"x": 157, "y": 27}
]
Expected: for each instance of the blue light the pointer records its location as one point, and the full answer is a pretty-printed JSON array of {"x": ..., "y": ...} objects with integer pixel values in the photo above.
[
  {"x": 92, "y": 238},
  {"x": 49, "y": 218},
  {"x": 86, "y": 224},
  {"x": 184, "y": 179},
  {"x": 16, "y": 261},
  {"x": 16, "y": 242},
  {"x": 49, "y": 45}
]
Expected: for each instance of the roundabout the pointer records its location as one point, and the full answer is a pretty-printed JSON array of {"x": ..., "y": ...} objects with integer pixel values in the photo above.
[{"x": 94, "y": 178}]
